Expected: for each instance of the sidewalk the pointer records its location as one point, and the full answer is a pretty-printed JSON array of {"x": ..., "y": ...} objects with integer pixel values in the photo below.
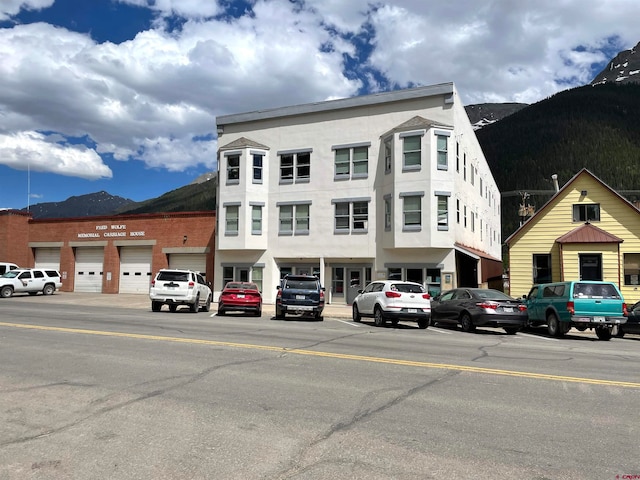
[{"x": 141, "y": 301}]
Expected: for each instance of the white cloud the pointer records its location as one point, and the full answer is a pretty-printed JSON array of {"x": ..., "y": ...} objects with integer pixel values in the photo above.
[
  {"x": 10, "y": 8},
  {"x": 147, "y": 98},
  {"x": 35, "y": 151}
]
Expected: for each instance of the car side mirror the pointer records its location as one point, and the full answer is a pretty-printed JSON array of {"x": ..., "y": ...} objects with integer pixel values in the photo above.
[{"x": 360, "y": 291}]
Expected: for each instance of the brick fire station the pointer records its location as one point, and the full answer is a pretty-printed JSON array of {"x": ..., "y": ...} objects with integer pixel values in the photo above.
[{"x": 110, "y": 254}]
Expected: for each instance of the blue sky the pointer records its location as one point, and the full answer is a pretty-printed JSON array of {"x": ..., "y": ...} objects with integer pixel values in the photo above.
[{"x": 122, "y": 95}]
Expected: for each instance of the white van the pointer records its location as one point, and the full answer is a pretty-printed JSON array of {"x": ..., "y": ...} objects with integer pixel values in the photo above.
[{"x": 5, "y": 267}]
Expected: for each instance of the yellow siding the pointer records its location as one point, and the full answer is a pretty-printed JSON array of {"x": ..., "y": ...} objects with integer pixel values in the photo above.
[{"x": 540, "y": 233}]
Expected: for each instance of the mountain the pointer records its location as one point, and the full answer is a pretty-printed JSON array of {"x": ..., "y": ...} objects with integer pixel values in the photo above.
[
  {"x": 100, "y": 203},
  {"x": 624, "y": 68},
  {"x": 483, "y": 114},
  {"x": 597, "y": 127}
]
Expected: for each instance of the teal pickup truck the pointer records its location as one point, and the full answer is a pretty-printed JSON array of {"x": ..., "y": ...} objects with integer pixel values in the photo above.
[{"x": 579, "y": 304}]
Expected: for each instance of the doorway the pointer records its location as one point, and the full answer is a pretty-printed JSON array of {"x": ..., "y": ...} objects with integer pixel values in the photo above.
[{"x": 590, "y": 266}]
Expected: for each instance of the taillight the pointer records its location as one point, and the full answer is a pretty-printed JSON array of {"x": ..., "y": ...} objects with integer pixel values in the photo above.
[
  {"x": 625, "y": 312},
  {"x": 390, "y": 294},
  {"x": 426, "y": 296},
  {"x": 522, "y": 307},
  {"x": 153, "y": 282},
  {"x": 321, "y": 296},
  {"x": 279, "y": 294},
  {"x": 488, "y": 305},
  {"x": 192, "y": 284},
  {"x": 571, "y": 308}
]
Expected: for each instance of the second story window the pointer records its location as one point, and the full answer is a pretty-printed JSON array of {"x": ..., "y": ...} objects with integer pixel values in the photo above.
[
  {"x": 412, "y": 211},
  {"x": 233, "y": 169},
  {"x": 256, "y": 219},
  {"x": 351, "y": 161},
  {"x": 412, "y": 152},
  {"x": 295, "y": 166},
  {"x": 231, "y": 219},
  {"x": 387, "y": 212},
  {"x": 443, "y": 210},
  {"x": 351, "y": 216},
  {"x": 388, "y": 155},
  {"x": 586, "y": 212},
  {"x": 294, "y": 218}
]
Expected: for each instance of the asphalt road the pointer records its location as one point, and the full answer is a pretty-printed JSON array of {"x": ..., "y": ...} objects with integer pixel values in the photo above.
[{"x": 119, "y": 392}]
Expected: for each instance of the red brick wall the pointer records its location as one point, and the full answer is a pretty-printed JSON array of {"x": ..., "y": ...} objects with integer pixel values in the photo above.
[
  {"x": 168, "y": 230},
  {"x": 14, "y": 238}
]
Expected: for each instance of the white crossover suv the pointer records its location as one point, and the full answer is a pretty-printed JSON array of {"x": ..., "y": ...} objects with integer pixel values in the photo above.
[
  {"x": 393, "y": 300},
  {"x": 29, "y": 280},
  {"x": 180, "y": 287}
]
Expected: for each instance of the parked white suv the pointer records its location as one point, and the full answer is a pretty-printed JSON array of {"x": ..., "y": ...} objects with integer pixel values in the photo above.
[
  {"x": 180, "y": 287},
  {"x": 393, "y": 300},
  {"x": 29, "y": 280}
]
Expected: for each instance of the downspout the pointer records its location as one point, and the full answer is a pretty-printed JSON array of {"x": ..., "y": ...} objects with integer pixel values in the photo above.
[
  {"x": 619, "y": 278},
  {"x": 561, "y": 263}
]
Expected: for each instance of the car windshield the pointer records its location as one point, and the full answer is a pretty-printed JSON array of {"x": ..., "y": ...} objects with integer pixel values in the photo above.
[
  {"x": 11, "y": 274},
  {"x": 491, "y": 295},
  {"x": 407, "y": 288},
  {"x": 302, "y": 284},
  {"x": 173, "y": 276}
]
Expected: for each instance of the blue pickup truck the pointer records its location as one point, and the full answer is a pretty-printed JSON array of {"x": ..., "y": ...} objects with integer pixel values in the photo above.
[{"x": 578, "y": 304}]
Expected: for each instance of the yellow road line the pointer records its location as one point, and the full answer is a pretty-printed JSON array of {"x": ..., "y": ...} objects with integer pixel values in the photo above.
[{"x": 362, "y": 358}]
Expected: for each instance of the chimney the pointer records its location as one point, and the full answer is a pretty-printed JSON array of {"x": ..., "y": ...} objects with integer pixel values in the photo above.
[{"x": 554, "y": 177}]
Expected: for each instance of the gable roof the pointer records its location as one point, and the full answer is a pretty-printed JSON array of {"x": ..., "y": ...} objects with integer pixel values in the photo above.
[
  {"x": 243, "y": 142},
  {"x": 414, "y": 123},
  {"x": 553, "y": 201},
  {"x": 588, "y": 233}
]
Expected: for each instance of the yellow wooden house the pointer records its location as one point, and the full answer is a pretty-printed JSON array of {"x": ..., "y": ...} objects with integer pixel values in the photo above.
[{"x": 586, "y": 231}]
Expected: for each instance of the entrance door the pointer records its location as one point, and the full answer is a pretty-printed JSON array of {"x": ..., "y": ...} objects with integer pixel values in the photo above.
[
  {"x": 354, "y": 276},
  {"x": 243, "y": 275},
  {"x": 590, "y": 266}
]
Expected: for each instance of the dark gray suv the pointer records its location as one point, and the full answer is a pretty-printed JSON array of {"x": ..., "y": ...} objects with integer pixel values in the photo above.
[{"x": 300, "y": 294}]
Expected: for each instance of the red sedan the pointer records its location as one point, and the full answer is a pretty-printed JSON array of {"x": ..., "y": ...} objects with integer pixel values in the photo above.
[{"x": 240, "y": 297}]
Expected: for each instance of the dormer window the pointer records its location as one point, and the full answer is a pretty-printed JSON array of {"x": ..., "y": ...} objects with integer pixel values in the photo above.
[{"x": 586, "y": 212}]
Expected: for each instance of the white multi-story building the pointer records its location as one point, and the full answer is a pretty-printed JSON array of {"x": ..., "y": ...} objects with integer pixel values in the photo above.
[{"x": 390, "y": 185}]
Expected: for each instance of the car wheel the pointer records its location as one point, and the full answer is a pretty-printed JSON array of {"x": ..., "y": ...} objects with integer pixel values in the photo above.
[
  {"x": 279, "y": 313},
  {"x": 603, "y": 333},
  {"x": 466, "y": 323},
  {"x": 423, "y": 323},
  {"x": 511, "y": 330},
  {"x": 258, "y": 313},
  {"x": 173, "y": 308},
  {"x": 318, "y": 316},
  {"x": 6, "y": 292},
  {"x": 355, "y": 313},
  {"x": 156, "y": 306},
  {"x": 620, "y": 332},
  {"x": 221, "y": 312},
  {"x": 553, "y": 326},
  {"x": 48, "y": 289},
  {"x": 207, "y": 306},
  {"x": 378, "y": 317},
  {"x": 195, "y": 306}
]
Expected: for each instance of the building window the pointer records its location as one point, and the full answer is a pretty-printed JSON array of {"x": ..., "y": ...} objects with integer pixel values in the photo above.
[
  {"x": 257, "y": 167},
  {"x": 443, "y": 212},
  {"x": 295, "y": 166},
  {"x": 465, "y": 215},
  {"x": 227, "y": 275},
  {"x": 472, "y": 172},
  {"x": 541, "y": 268},
  {"x": 443, "y": 152},
  {"x": 457, "y": 156},
  {"x": 256, "y": 220},
  {"x": 257, "y": 276},
  {"x": 632, "y": 268},
  {"x": 411, "y": 151},
  {"x": 387, "y": 213},
  {"x": 412, "y": 212},
  {"x": 464, "y": 166},
  {"x": 231, "y": 219},
  {"x": 351, "y": 216},
  {"x": 388, "y": 155},
  {"x": 233, "y": 169},
  {"x": 586, "y": 212},
  {"x": 294, "y": 219},
  {"x": 481, "y": 186},
  {"x": 351, "y": 162},
  {"x": 457, "y": 210}
]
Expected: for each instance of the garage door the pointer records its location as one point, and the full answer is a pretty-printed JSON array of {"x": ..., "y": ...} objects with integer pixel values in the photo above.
[
  {"x": 135, "y": 269},
  {"x": 88, "y": 276},
  {"x": 48, "y": 258},
  {"x": 189, "y": 261}
]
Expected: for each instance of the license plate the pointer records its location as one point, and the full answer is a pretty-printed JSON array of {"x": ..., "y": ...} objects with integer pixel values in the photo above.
[
  {"x": 412, "y": 310},
  {"x": 508, "y": 309},
  {"x": 300, "y": 297},
  {"x": 599, "y": 319},
  {"x": 241, "y": 295}
]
